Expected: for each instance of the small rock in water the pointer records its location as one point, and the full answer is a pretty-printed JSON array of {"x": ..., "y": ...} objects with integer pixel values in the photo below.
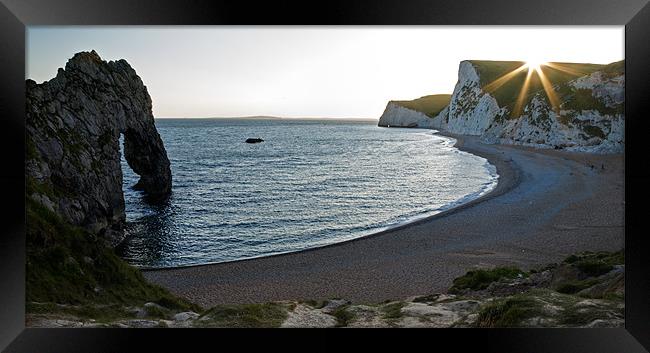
[{"x": 254, "y": 140}]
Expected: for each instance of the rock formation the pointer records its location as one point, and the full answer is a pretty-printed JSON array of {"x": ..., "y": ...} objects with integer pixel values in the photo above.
[
  {"x": 471, "y": 110},
  {"x": 589, "y": 118},
  {"x": 73, "y": 127},
  {"x": 396, "y": 115}
]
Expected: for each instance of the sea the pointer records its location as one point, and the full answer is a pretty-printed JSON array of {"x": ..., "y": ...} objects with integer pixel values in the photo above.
[{"x": 310, "y": 183}]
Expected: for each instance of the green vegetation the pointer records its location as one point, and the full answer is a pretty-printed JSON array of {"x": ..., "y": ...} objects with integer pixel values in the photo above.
[
  {"x": 102, "y": 313},
  {"x": 481, "y": 279},
  {"x": 589, "y": 266},
  {"x": 594, "y": 264},
  {"x": 572, "y": 316},
  {"x": 343, "y": 316},
  {"x": 245, "y": 315},
  {"x": 592, "y": 131},
  {"x": 507, "y": 93},
  {"x": 393, "y": 310},
  {"x": 32, "y": 186},
  {"x": 67, "y": 265},
  {"x": 571, "y": 287},
  {"x": 582, "y": 99},
  {"x": 614, "y": 69},
  {"x": 509, "y": 312},
  {"x": 316, "y": 304},
  {"x": 489, "y": 71},
  {"x": 535, "y": 305},
  {"x": 546, "y": 308},
  {"x": 429, "y": 105}
]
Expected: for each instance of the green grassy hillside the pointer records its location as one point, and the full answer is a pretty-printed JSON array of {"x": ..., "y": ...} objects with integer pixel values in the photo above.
[
  {"x": 615, "y": 68},
  {"x": 68, "y": 265},
  {"x": 429, "y": 105},
  {"x": 507, "y": 90}
]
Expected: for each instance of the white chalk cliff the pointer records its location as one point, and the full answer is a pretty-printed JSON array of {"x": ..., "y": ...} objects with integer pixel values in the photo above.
[
  {"x": 590, "y": 117},
  {"x": 471, "y": 111},
  {"x": 396, "y": 115}
]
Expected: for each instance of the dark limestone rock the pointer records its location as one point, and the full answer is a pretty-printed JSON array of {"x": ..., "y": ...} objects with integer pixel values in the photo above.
[
  {"x": 254, "y": 140},
  {"x": 73, "y": 126}
]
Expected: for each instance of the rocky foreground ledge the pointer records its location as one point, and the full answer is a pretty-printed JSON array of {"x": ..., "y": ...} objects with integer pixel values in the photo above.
[{"x": 585, "y": 290}]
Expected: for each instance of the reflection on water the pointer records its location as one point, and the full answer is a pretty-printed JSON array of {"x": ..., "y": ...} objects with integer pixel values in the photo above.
[
  {"x": 158, "y": 224},
  {"x": 311, "y": 183}
]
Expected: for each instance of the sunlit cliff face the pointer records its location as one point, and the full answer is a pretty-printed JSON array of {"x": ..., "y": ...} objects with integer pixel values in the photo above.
[{"x": 536, "y": 71}]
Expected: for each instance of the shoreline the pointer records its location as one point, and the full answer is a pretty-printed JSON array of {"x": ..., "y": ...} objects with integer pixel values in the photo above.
[
  {"x": 507, "y": 179},
  {"x": 536, "y": 214}
]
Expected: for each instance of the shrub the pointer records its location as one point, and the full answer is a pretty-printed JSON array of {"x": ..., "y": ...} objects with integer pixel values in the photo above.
[
  {"x": 245, "y": 315},
  {"x": 481, "y": 279},
  {"x": 509, "y": 312}
]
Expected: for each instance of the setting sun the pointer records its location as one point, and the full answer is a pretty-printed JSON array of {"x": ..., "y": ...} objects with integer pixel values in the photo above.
[{"x": 534, "y": 64}]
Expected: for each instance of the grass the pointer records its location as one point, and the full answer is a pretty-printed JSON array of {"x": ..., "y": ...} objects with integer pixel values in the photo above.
[
  {"x": 594, "y": 264},
  {"x": 100, "y": 313},
  {"x": 393, "y": 310},
  {"x": 509, "y": 312},
  {"x": 591, "y": 265},
  {"x": 67, "y": 265},
  {"x": 593, "y": 131},
  {"x": 558, "y": 309},
  {"x": 571, "y": 316},
  {"x": 103, "y": 313},
  {"x": 430, "y": 105},
  {"x": 343, "y": 316},
  {"x": 158, "y": 312},
  {"x": 572, "y": 287},
  {"x": 245, "y": 316},
  {"x": 615, "y": 68},
  {"x": 489, "y": 71},
  {"x": 481, "y": 279},
  {"x": 316, "y": 304},
  {"x": 507, "y": 94},
  {"x": 582, "y": 99}
]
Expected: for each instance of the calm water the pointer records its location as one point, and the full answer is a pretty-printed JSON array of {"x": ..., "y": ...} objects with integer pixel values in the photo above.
[{"x": 311, "y": 183}]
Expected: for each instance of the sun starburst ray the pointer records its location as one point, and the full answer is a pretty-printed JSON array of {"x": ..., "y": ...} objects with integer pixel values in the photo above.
[
  {"x": 566, "y": 69},
  {"x": 550, "y": 92},
  {"x": 496, "y": 84},
  {"x": 516, "y": 111}
]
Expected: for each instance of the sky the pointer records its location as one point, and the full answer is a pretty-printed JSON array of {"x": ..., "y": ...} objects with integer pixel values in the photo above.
[{"x": 307, "y": 72}]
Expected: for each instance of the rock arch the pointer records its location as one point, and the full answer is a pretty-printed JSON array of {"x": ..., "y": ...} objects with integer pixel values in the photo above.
[{"x": 73, "y": 124}]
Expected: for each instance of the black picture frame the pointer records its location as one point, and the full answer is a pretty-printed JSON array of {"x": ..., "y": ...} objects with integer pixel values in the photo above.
[{"x": 15, "y": 15}]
